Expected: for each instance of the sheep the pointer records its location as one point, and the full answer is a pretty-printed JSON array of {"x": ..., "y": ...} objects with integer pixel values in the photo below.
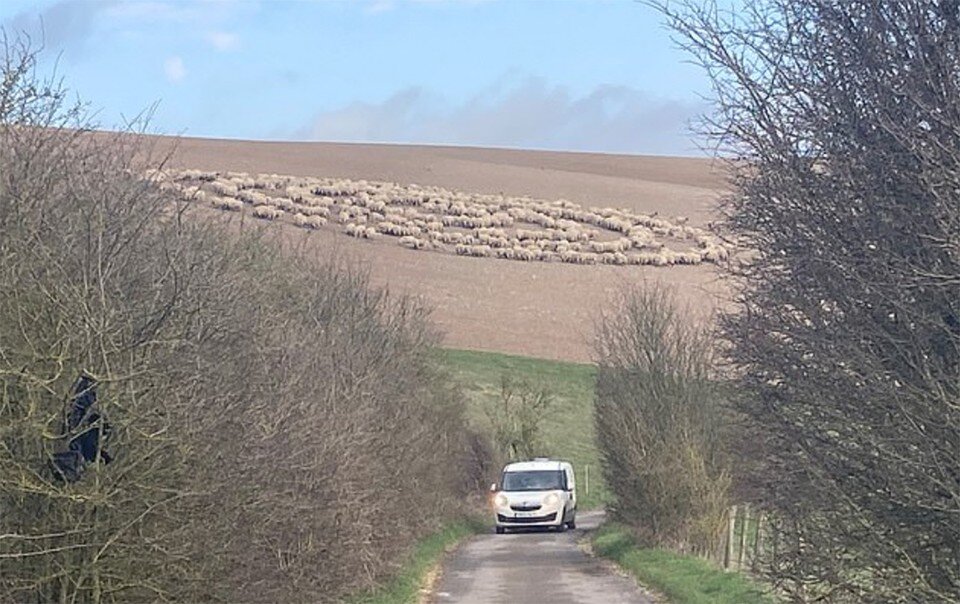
[
  {"x": 472, "y": 222},
  {"x": 523, "y": 234},
  {"x": 615, "y": 224},
  {"x": 360, "y": 231},
  {"x": 267, "y": 212},
  {"x": 548, "y": 256},
  {"x": 312, "y": 210},
  {"x": 654, "y": 259},
  {"x": 414, "y": 243},
  {"x": 225, "y": 188},
  {"x": 226, "y": 203},
  {"x": 197, "y": 175},
  {"x": 522, "y": 253},
  {"x": 390, "y": 228},
  {"x": 297, "y": 193},
  {"x": 641, "y": 237},
  {"x": 481, "y": 251},
  {"x": 618, "y": 258},
  {"x": 253, "y": 198},
  {"x": 283, "y": 203},
  {"x": 619, "y": 245},
  {"x": 563, "y": 231},
  {"x": 578, "y": 257},
  {"x": 193, "y": 193},
  {"x": 492, "y": 241},
  {"x": 715, "y": 253},
  {"x": 688, "y": 257},
  {"x": 309, "y": 222},
  {"x": 156, "y": 175},
  {"x": 243, "y": 182},
  {"x": 451, "y": 237},
  {"x": 326, "y": 191}
]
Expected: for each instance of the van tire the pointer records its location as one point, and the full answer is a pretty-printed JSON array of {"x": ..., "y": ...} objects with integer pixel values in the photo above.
[
  {"x": 562, "y": 527},
  {"x": 572, "y": 524},
  {"x": 500, "y": 530}
]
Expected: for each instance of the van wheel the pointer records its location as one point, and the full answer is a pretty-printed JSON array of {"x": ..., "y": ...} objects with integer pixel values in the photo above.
[
  {"x": 572, "y": 524},
  {"x": 562, "y": 527},
  {"x": 500, "y": 530}
]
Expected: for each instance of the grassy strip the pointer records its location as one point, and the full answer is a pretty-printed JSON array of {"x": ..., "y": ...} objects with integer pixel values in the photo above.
[
  {"x": 405, "y": 586},
  {"x": 567, "y": 430},
  {"x": 683, "y": 579}
]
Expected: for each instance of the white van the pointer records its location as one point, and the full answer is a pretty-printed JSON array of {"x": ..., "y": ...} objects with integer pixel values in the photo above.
[{"x": 538, "y": 493}]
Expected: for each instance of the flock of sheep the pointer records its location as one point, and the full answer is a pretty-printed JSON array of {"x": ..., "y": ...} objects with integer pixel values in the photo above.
[{"x": 433, "y": 218}]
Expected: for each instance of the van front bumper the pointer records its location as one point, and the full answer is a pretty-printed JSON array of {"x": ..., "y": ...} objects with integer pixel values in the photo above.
[{"x": 544, "y": 520}]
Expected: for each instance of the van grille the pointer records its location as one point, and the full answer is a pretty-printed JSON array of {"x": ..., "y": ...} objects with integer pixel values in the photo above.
[{"x": 520, "y": 507}]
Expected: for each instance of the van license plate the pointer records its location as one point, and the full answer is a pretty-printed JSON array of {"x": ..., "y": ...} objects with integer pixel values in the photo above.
[{"x": 526, "y": 514}]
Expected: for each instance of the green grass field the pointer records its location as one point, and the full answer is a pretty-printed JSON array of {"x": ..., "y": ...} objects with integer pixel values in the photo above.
[
  {"x": 683, "y": 579},
  {"x": 567, "y": 430}
]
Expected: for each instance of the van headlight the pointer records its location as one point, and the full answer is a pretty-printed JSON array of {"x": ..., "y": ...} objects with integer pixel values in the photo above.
[
  {"x": 501, "y": 500},
  {"x": 551, "y": 500}
]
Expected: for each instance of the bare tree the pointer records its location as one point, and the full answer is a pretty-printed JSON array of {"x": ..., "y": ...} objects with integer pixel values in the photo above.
[
  {"x": 660, "y": 421},
  {"x": 842, "y": 123},
  {"x": 516, "y": 417}
]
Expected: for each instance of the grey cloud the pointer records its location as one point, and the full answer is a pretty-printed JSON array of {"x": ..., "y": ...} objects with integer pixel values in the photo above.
[
  {"x": 527, "y": 114},
  {"x": 64, "y": 25}
]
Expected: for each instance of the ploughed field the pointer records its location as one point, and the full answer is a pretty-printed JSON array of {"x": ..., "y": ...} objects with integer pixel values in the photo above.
[{"x": 516, "y": 251}]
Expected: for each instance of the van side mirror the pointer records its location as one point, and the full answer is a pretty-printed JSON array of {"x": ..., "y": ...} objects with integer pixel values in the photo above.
[{"x": 493, "y": 488}]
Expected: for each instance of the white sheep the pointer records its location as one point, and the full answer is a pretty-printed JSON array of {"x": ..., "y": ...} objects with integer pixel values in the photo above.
[
  {"x": 715, "y": 253},
  {"x": 226, "y": 203},
  {"x": 224, "y": 187},
  {"x": 413, "y": 243},
  {"x": 312, "y": 210},
  {"x": 309, "y": 222},
  {"x": 267, "y": 212},
  {"x": 253, "y": 197}
]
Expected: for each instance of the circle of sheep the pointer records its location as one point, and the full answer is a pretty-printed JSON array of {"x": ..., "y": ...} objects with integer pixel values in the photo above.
[{"x": 437, "y": 219}]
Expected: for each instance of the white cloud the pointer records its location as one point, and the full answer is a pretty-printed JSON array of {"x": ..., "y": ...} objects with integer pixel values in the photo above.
[
  {"x": 527, "y": 113},
  {"x": 223, "y": 41},
  {"x": 174, "y": 69}
]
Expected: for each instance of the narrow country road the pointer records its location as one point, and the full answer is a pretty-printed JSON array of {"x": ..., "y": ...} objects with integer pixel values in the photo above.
[{"x": 533, "y": 567}]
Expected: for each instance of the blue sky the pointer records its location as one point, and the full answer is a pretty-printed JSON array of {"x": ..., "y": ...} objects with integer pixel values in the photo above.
[{"x": 569, "y": 75}]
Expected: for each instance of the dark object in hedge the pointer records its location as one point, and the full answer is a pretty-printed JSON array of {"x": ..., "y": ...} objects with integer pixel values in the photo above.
[{"x": 90, "y": 432}]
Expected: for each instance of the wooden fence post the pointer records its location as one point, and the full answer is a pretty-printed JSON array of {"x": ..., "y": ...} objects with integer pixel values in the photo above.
[
  {"x": 744, "y": 521},
  {"x": 728, "y": 552},
  {"x": 756, "y": 544}
]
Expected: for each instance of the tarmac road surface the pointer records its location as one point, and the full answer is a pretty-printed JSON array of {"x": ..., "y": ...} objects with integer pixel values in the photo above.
[{"x": 533, "y": 567}]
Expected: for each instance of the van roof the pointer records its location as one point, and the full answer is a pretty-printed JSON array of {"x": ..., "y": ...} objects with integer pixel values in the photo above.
[{"x": 537, "y": 464}]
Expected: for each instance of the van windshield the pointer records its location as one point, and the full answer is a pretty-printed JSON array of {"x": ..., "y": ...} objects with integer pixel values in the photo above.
[{"x": 535, "y": 480}]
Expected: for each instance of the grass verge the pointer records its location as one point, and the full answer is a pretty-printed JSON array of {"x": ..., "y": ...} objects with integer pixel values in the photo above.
[
  {"x": 567, "y": 430},
  {"x": 405, "y": 586},
  {"x": 683, "y": 579}
]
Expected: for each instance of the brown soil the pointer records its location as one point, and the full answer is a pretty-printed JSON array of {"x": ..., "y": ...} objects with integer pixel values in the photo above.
[{"x": 535, "y": 309}]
